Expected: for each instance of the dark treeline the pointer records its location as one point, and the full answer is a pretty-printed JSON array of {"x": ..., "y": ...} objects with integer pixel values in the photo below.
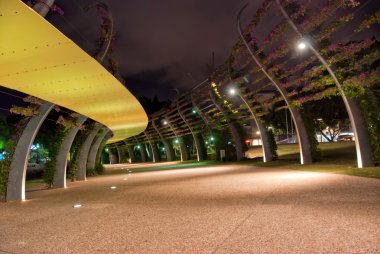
[{"x": 153, "y": 105}]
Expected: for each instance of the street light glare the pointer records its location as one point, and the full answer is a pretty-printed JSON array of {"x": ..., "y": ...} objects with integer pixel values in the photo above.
[
  {"x": 232, "y": 91},
  {"x": 301, "y": 45},
  {"x": 165, "y": 122}
]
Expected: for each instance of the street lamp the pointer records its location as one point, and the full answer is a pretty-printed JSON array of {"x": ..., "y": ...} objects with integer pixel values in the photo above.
[
  {"x": 301, "y": 45},
  {"x": 165, "y": 122}
]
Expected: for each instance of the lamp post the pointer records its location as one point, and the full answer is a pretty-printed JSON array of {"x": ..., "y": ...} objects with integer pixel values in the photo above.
[
  {"x": 362, "y": 139},
  {"x": 267, "y": 153},
  {"x": 303, "y": 140}
]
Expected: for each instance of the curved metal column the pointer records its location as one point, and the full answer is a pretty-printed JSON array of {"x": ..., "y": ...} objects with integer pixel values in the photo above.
[
  {"x": 303, "y": 139},
  {"x": 182, "y": 148},
  {"x": 102, "y": 145},
  {"x": 17, "y": 170},
  {"x": 83, "y": 153},
  {"x": 95, "y": 147},
  {"x": 235, "y": 134},
  {"x": 267, "y": 153},
  {"x": 143, "y": 153},
  {"x": 59, "y": 180},
  {"x": 153, "y": 147},
  {"x": 362, "y": 139},
  {"x": 118, "y": 154},
  {"x": 197, "y": 143},
  {"x": 168, "y": 147},
  {"x": 131, "y": 153}
]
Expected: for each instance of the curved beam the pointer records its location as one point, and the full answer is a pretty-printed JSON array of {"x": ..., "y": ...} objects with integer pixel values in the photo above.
[
  {"x": 267, "y": 154},
  {"x": 59, "y": 180},
  {"x": 91, "y": 163},
  {"x": 131, "y": 153},
  {"x": 303, "y": 140},
  {"x": 362, "y": 139},
  {"x": 83, "y": 153},
  {"x": 182, "y": 148},
  {"x": 168, "y": 147},
  {"x": 102, "y": 145},
  {"x": 153, "y": 146},
  {"x": 235, "y": 134},
  {"x": 17, "y": 169},
  {"x": 195, "y": 138}
]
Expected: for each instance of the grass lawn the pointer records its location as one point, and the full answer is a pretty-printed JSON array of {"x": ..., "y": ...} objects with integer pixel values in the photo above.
[
  {"x": 337, "y": 157},
  {"x": 35, "y": 184}
]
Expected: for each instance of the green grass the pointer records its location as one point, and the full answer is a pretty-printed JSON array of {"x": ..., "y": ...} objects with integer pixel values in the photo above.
[
  {"x": 338, "y": 158},
  {"x": 35, "y": 184}
]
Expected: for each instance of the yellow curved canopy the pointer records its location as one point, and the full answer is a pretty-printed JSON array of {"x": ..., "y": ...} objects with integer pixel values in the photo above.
[{"x": 37, "y": 59}]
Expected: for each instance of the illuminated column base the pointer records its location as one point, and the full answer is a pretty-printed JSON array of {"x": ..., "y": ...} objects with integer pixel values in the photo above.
[
  {"x": 198, "y": 145},
  {"x": 17, "y": 170},
  {"x": 59, "y": 180}
]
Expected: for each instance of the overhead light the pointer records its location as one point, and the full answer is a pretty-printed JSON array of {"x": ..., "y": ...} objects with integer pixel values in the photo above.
[
  {"x": 113, "y": 187},
  {"x": 301, "y": 45},
  {"x": 165, "y": 122},
  {"x": 232, "y": 91}
]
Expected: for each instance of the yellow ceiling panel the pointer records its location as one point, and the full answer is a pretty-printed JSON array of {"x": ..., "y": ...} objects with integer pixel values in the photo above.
[{"x": 37, "y": 59}]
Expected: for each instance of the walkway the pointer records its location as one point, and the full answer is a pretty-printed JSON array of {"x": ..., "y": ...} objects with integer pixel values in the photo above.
[{"x": 213, "y": 209}]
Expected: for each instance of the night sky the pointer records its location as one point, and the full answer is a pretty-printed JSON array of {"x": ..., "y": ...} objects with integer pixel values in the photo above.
[{"x": 160, "y": 45}]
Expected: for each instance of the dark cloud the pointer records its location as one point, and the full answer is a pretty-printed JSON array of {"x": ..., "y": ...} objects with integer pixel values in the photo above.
[{"x": 165, "y": 39}]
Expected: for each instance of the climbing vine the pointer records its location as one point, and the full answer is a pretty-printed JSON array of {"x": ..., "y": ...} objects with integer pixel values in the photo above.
[
  {"x": 74, "y": 151},
  {"x": 50, "y": 165}
]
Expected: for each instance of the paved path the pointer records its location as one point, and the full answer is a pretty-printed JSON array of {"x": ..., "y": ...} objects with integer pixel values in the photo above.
[{"x": 214, "y": 209}]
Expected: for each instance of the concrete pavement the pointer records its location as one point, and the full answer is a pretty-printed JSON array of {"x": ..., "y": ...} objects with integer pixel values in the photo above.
[{"x": 213, "y": 209}]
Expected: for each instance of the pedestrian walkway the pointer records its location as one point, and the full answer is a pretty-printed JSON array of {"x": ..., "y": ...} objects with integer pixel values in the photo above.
[{"x": 212, "y": 209}]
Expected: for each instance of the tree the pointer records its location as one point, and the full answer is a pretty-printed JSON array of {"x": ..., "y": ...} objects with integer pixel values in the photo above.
[{"x": 329, "y": 115}]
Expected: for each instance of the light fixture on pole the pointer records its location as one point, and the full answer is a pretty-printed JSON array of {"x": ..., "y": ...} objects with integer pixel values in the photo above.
[{"x": 301, "y": 45}]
